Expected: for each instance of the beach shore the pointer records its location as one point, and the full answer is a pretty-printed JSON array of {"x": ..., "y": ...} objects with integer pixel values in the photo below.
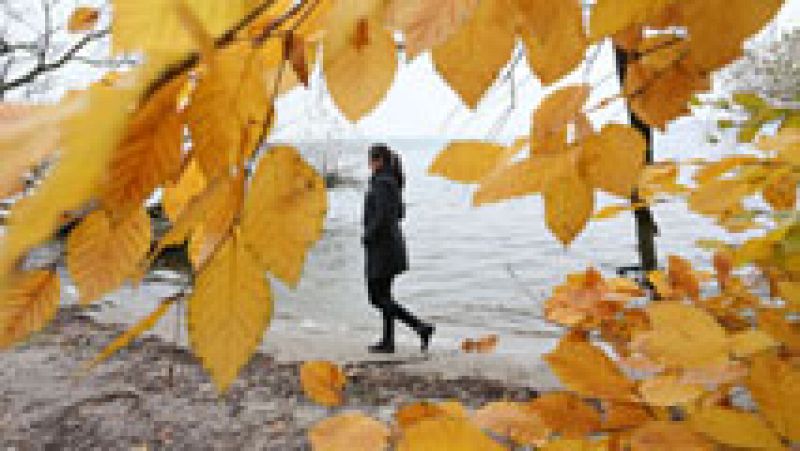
[{"x": 155, "y": 394}]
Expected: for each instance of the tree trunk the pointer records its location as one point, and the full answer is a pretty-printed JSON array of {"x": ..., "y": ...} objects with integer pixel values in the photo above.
[{"x": 646, "y": 228}]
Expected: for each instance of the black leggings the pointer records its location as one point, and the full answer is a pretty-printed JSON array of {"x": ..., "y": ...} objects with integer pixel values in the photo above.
[{"x": 380, "y": 296}]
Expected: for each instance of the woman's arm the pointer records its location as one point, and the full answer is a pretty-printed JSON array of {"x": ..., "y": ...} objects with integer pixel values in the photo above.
[{"x": 377, "y": 217}]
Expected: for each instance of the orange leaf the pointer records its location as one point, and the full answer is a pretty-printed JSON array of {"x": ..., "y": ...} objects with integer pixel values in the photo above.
[
  {"x": 323, "y": 382},
  {"x": 27, "y": 305},
  {"x": 587, "y": 370},
  {"x": 83, "y": 19}
]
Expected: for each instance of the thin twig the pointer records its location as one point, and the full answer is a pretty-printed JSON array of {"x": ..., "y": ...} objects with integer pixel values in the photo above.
[{"x": 43, "y": 68}]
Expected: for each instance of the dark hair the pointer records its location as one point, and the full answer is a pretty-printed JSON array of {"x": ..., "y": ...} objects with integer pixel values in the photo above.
[{"x": 391, "y": 162}]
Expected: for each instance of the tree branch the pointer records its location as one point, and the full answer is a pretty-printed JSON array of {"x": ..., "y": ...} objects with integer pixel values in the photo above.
[
  {"x": 44, "y": 67},
  {"x": 224, "y": 40}
]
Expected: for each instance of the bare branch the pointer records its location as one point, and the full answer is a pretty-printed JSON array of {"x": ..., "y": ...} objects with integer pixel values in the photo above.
[{"x": 46, "y": 67}]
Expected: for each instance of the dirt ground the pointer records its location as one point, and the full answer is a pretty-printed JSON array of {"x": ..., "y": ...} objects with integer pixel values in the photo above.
[{"x": 155, "y": 395}]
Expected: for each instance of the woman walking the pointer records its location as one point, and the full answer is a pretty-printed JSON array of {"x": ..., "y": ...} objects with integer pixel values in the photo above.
[{"x": 386, "y": 255}]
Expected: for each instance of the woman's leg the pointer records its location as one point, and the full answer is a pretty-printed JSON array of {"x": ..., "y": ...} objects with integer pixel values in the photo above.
[
  {"x": 379, "y": 291},
  {"x": 396, "y": 310}
]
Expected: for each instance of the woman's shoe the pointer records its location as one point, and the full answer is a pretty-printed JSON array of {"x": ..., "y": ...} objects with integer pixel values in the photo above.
[
  {"x": 381, "y": 348},
  {"x": 425, "y": 335}
]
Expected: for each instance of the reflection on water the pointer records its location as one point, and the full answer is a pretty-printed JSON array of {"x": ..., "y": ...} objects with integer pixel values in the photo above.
[{"x": 463, "y": 258}]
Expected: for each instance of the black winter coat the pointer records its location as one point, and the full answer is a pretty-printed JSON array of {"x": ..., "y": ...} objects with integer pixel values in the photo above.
[{"x": 386, "y": 254}]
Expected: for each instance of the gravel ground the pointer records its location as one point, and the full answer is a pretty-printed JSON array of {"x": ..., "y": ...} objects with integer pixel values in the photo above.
[{"x": 155, "y": 395}]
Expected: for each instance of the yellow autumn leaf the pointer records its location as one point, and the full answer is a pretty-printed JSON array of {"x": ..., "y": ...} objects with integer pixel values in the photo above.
[
  {"x": 468, "y": 161},
  {"x": 781, "y": 191},
  {"x": 553, "y": 35},
  {"x": 554, "y": 115},
  {"x": 587, "y": 370},
  {"x": 155, "y": 25},
  {"x": 790, "y": 292},
  {"x": 27, "y": 305},
  {"x": 472, "y": 58},
  {"x": 612, "y": 16},
  {"x": 569, "y": 204},
  {"x": 750, "y": 342},
  {"x": 88, "y": 138},
  {"x": 669, "y": 390},
  {"x": 668, "y": 436},
  {"x": 734, "y": 428},
  {"x": 513, "y": 420},
  {"x": 775, "y": 387},
  {"x": 564, "y": 444},
  {"x": 213, "y": 225},
  {"x": 229, "y": 310},
  {"x": 566, "y": 414},
  {"x": 134, "y": 332},
  {"x": 410, "y": 414},
  {"x": 177, "y": 195},
  {"x": 150, "y": 152},
  {"x": 718, "y": 28},
  {"x": 117, "y": 245},
  {"x": 359, "y": 74},
  {"x": 718, "y": 196},
  {"x": 611, "y": 211},
  {"x": 660, "y": 94},
  {"x": 83, "y": 18},
  {"x": 229, "y": 108},
  {"x": 613, "y": 159},
  {"x": 625, "y": 415},
  {"x": 216, "y": 205},
  {"x": 786, "y": 143},
  {"x": 776, "y": 325},
  {"x": 426, "y": 24},
  {"x": 323, "y": 382},
  {"x": 446, "y": 434},
  {"x": 284, "y": 212},
  {"x": 28, "y": 134},
  {"x": 349, "y": 432},
  {"x": 714, "y": 170},
  {"x": 676, "y": 330},
  {"x": 516, "y": 179}
]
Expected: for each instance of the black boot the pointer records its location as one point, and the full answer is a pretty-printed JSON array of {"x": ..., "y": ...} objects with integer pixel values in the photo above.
[{"x": 386, "y": 345}]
